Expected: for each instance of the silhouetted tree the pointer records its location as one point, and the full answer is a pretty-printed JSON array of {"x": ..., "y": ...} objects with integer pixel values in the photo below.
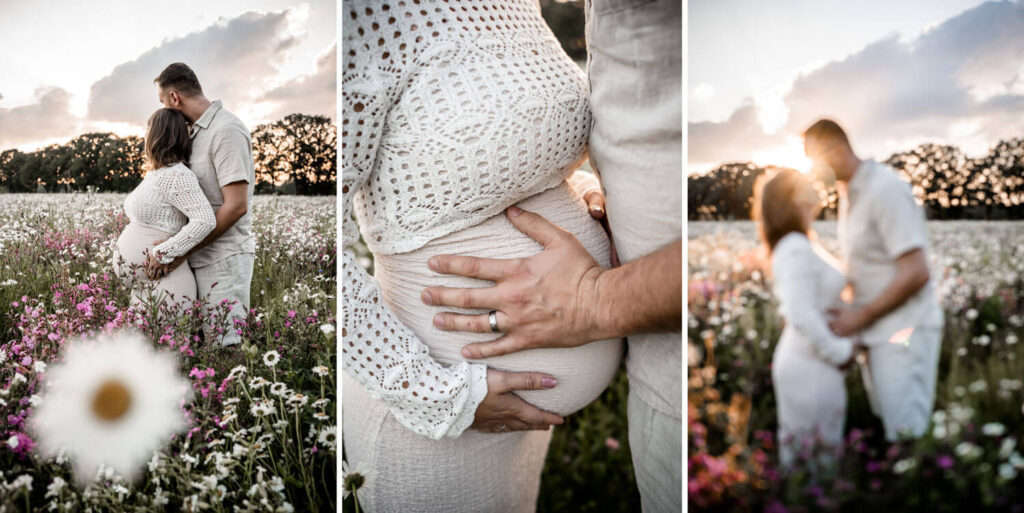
[
  {"x": 949, "y": 184},
  {"x": 299, "y": 149}
]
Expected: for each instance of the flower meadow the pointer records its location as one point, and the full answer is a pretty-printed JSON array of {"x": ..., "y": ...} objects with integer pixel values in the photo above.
[
  {"x": 970, "y": 459},
  {"x": 260, "y": 428}
]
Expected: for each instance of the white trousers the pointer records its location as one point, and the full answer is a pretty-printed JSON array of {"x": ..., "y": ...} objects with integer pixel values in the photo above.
[
  {"x": 656, "y": 444},
  {"x": 900, "y": 379},
  {"x": 228, "y": 279}
]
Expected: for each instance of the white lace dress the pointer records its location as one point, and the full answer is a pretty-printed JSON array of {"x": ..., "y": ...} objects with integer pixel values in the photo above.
[
  {"x": 167, "y": 206},
  {"x": 452, "y": 112}
]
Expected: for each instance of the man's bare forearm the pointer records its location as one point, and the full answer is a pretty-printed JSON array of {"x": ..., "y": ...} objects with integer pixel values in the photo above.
[{"x": 643, "y": 296}]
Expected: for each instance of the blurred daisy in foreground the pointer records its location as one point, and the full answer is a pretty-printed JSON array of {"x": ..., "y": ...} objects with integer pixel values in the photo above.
[{"x": 112, "y": 402}]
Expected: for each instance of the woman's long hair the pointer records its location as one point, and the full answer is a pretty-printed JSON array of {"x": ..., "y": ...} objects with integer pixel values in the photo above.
[
  {"x": 775, "y": 207},
  {"x": 167, "y": 140}
]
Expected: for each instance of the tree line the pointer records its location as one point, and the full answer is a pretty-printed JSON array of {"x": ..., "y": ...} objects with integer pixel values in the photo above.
[
  {"x": 948, "y": 183},
  {"x": 294, "y": 155}
]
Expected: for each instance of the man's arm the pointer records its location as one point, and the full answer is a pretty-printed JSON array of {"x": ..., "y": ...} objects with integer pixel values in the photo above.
[
  {"x": 560, "y": 297},
  {"x": 911, "y": 275},
  {"x": 236, "y": 204}
]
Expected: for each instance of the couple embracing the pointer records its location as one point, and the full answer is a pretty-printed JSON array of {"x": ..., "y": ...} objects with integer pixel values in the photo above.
[
  {"x": 192, "y": 207},
  {"x": 894, "y": 317},
  {"x": 494, "y": 309}
]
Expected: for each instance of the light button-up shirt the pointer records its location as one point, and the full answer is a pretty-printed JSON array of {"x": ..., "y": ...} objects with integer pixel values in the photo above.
[
  {"x": 221, "y": 155},
  {"x": 879, "y": 221}
]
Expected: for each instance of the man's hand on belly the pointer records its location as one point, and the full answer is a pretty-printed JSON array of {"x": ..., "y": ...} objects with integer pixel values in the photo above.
[{"x": 542, "y": 301}]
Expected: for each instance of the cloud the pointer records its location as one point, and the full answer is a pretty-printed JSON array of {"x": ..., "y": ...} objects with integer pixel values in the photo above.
[
  {"x": 730, "y": 139},
  {"x": 46, "y": 118},
  {"x": 309, "y": 94},
  {"x": 234, "y": 59},
  {"x": 961, "y": 83}
]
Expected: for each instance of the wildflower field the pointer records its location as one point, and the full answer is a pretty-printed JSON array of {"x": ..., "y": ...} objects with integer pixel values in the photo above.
[
  {"x": 260, "y": 427},
  {"x": 970, "y": 459}
]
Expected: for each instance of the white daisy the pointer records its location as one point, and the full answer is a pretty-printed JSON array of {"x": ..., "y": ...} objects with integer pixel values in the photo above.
[
  {"x": 112, "y": 402},
  {"x": 328, "y": 436},
  {"x": 320, "y": 370},
  {"x": 279, "y": 389},
  {"x": 354, "y": 478},
  {"x": 270, "y": 358},
  {"x": 258, "y": 382},
  {"x": 297, "y": 400},
  {"x": 261, "y": 407},
  {"x": 327, "y": 329}
]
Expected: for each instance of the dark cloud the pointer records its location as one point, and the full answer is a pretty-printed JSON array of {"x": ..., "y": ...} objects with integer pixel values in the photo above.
[
  {"x": 309, "y": 94},
  {"x": 48, "y": 117},
  {"x": 234, "y": 60},
  {"x": 959, "y": 83}
]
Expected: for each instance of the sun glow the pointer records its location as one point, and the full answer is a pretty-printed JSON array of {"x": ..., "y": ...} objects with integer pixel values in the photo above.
[{"x": 791, "y": 154}]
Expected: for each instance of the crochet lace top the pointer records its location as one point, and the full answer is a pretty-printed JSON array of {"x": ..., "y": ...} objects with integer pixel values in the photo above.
[
  {"x": 453, "y": 111},
  {"x": 169, "y": 199}
]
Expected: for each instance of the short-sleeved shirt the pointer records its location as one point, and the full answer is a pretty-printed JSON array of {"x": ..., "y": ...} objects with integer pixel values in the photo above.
[
  {"x": 879, "y": 221},
  {"x": 221, "y": 155}
]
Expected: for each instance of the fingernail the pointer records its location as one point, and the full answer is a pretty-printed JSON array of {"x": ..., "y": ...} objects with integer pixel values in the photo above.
[
  {"x": 598, "y": 210},
  {"x": 514, "y": 211},
  {"x": 548, "y": 382},
  {"x": 466, "y": 353},
  {"x": 427, "y": 299},
  {"x": 438, "y": 321},
  {"x": 432, "y": 263}
]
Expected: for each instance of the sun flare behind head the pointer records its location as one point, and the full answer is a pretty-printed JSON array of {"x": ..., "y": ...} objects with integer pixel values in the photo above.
[{"x": 790, "y": 154}]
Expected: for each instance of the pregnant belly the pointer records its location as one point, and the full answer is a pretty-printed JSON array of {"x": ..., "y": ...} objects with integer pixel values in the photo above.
[
  {"x": 135, "y": 241},
  {"x": 583, "y": 372}
]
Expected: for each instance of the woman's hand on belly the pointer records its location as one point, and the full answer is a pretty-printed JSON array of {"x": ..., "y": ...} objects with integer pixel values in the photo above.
[
  {"x": 552, "y": 312},
  {"x": 502, "y": 410}
]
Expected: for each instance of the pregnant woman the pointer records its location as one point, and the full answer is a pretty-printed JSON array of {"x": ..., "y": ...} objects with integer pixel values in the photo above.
[
  {"x": 807, "y": 367},
  {"x": 167, "y": 206},
  {"x": 453, "y": 112}
]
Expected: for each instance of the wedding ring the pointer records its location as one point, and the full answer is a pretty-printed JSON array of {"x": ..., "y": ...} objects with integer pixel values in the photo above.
[
  {"x": 503, "y": 428},
  {"x": 493, "y": 318}
]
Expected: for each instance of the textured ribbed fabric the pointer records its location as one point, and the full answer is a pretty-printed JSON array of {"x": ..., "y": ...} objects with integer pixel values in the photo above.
[
  {"x": 170, "y": 200},
  {"x": 452, "y": 111}
]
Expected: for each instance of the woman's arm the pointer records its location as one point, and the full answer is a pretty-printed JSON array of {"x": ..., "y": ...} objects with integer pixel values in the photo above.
[
  {"x": 380, "y": 352},
  {"x": 182, "y": 191},
  {"x": 795, "y": 275}
]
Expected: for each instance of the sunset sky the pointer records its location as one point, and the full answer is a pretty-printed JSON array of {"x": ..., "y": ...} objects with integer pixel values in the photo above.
[
  {"x": 895, "y": 75},
  {"x": 73, "y": 67}
]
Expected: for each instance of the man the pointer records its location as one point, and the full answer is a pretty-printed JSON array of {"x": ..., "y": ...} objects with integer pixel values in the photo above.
[
  {"x": 222, "y": 161},
  {"x": 895, "y": 312},
  {"x": 561, "y": 297}
]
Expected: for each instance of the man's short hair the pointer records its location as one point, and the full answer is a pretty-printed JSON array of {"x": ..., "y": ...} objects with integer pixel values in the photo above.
[
  {"x": 181, "y": 78},
  {"x": 824, "y": 129}
]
